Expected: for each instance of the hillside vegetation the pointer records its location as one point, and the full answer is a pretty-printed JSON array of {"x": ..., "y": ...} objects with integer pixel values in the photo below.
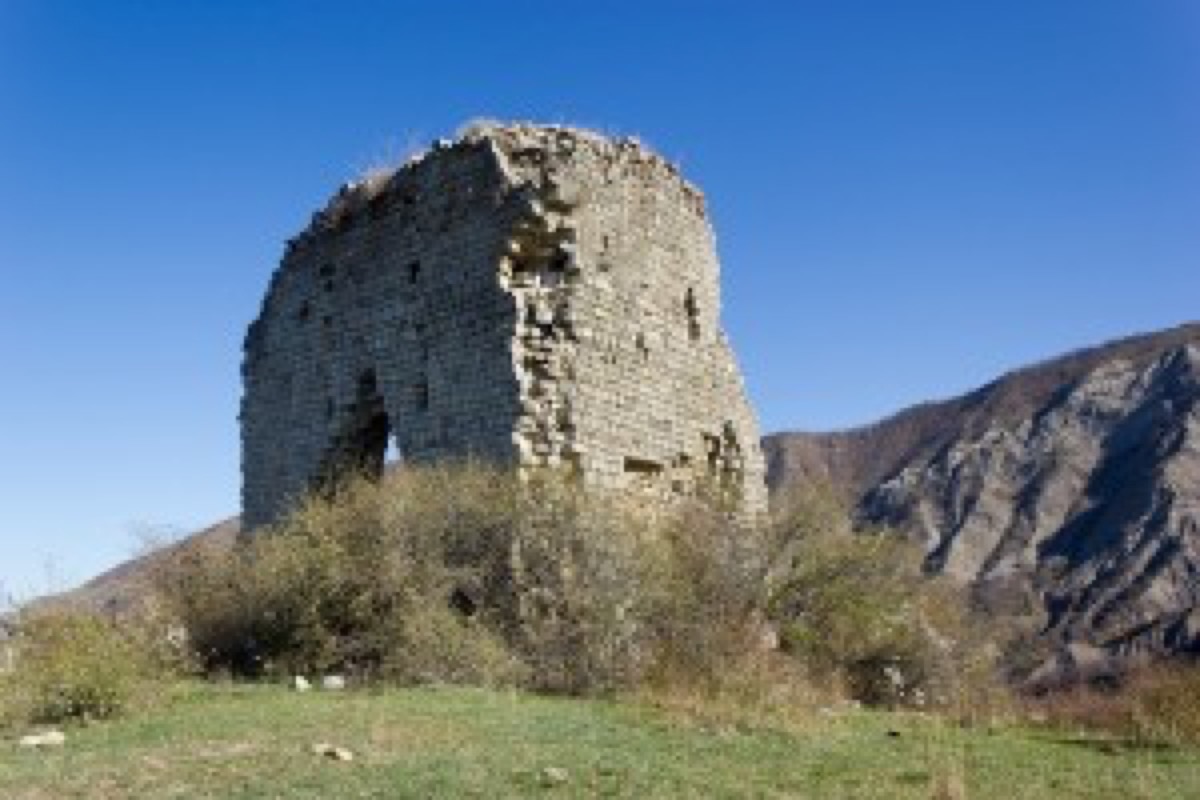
[{"x": 504, "y": 637}]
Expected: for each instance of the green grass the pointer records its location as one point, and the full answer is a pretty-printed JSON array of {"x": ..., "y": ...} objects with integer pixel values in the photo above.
[{"x": 255, "y": 741}]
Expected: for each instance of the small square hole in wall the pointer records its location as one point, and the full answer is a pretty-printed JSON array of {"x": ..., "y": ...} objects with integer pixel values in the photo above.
[
  {"x": 462, "y": 602},
  {"x": 692, "y": 309},
  {"x": 642, "y": 466},
  {"x": 414, "y": 271},
  {"x": 643, "y": 347}
]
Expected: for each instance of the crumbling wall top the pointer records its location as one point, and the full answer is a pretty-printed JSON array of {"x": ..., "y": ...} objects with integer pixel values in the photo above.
[{"x": 547, "y": 147}]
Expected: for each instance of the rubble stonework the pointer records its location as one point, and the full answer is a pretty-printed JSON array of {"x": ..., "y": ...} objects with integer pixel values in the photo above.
[{"x": 539, "y": 296}]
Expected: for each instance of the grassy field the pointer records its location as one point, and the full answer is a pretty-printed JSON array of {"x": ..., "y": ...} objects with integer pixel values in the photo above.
[{"x": 247, "y": 741}]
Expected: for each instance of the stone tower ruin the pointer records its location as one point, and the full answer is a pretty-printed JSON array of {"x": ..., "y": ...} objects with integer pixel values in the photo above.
[{"x": 536, "y": 296}]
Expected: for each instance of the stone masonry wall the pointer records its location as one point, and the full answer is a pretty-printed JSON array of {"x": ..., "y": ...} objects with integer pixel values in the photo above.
[{"x": 540, "y": 296}]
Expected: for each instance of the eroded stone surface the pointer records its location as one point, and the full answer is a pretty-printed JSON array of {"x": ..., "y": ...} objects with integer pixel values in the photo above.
[{"x": 539, "y": 296}]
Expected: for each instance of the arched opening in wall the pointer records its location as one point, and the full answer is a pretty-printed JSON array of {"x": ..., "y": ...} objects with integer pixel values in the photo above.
[{"x": 365, "y": 439}]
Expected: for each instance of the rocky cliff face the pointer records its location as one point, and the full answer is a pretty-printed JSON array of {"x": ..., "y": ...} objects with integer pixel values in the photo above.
[{"x": 1068, "y": 492}]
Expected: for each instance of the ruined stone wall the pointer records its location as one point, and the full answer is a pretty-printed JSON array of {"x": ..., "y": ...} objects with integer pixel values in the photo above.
[{"x": 537, "y": 296}]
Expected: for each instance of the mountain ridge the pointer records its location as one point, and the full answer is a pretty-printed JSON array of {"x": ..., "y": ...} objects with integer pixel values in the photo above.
[
  {"x": 1066, "y": 493},
  {"x": 833, "y": 456}
]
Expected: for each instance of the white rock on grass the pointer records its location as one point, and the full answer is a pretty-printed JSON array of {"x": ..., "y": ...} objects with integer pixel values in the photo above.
[
  {"x": 333, "y": 683},
  {"x": 553, "y": 776},
  {"x": 47, "y": 739},
  {"x": 332, "y": 752},
  {"x": 301, "y": 684}
]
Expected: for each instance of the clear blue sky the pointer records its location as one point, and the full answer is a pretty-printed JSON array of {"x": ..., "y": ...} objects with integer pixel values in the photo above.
[{"x": 910, "y": 197}]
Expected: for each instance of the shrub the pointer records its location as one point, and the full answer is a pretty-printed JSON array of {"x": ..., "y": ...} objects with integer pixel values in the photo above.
[
  {"x": 74, "y": 666},
  {"x": 436, "y": 644},
  {"x": 857, "y": 609},
  {"x": 345, "y": 583},
  {"x": 846, "y": 610},
  {"x": 1168, "y": 701},
  {"x": 708, "y": 619},
  {"x": 582, "y": 571},
  {"x": 1156, "y": 703}
]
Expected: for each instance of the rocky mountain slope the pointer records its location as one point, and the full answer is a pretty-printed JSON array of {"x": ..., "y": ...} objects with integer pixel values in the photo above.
[{"x": 1068, "y": 492}]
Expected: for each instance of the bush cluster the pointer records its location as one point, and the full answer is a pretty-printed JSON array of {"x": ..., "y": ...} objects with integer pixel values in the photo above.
[
  {"x": 77, "y": 666},
  {"x": 385, "y": 579},
  {"x": 465, "y": 574}
]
